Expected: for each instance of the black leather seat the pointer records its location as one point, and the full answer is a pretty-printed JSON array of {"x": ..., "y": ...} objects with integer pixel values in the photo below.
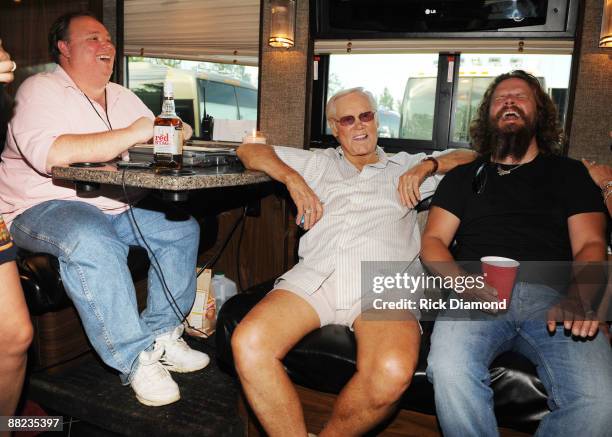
[
  {"x": 42, "y": 284},
  {"x": 325, "y": 360}
]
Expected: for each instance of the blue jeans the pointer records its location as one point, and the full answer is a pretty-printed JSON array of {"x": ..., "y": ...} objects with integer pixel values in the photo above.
[
  {"x": 92, "y": 249},
  {"x": 577, "y": 374}
]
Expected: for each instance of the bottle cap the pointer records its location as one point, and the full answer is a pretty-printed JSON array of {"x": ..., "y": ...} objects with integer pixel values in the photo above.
[
  {"x": 219, "y": 273},
  {"x": 168, "y": 88}
]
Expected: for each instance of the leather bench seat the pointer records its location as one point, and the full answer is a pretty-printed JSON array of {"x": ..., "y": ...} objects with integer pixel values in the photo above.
[
  {"x": 42, "y": 284},
  {"x": 325, "y": 360}
]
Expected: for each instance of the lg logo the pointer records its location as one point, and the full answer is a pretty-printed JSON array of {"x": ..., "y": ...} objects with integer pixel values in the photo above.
[{"x": 430, "y": 11}]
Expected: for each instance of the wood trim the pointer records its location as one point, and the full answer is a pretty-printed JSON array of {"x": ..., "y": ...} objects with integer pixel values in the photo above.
[{"x": 318, "y": 406}]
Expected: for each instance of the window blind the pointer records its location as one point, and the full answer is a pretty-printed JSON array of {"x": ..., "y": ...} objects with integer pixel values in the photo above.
[{"x": 200, "y": 30}]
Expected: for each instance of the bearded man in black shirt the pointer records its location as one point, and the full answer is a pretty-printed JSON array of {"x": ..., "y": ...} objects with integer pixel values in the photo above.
[{"x": 520, "y": 200}]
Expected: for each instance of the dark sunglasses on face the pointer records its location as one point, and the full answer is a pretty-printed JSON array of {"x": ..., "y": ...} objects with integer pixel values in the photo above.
[
  {"x": 349, "y": 120},
  {"x": 480, "y": 178}
]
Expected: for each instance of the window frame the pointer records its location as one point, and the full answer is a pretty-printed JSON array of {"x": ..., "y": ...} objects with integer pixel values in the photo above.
[
  {"x": 442, "y": 110},
  {"x": 445, "y": 106}
]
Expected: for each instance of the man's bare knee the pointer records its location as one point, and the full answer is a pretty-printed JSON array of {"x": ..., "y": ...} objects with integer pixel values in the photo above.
[
  {"x": 388, "y": 377},
  {"x": 249, "y": 346}
]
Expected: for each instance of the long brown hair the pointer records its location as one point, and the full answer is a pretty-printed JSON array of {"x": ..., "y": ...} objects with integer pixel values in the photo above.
[{"x": 547, "y": 129}]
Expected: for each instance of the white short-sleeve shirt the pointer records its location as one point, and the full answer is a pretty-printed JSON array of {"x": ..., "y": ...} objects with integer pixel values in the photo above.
[{"x": 363, "y": 218}]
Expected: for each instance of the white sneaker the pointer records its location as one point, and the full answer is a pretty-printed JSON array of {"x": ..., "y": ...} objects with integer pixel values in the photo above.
[
  {"x": 178, "y": 356},
  {"x": 152, "y": 383}
]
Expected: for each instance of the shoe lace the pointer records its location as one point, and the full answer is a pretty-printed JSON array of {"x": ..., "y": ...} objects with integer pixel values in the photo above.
[
  {"x": 156, "y": 371},
  {"x": 173, "y": 350}
]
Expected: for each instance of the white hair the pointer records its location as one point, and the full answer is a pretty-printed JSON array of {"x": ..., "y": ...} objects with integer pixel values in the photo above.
[{"x": 330, "y": 108}]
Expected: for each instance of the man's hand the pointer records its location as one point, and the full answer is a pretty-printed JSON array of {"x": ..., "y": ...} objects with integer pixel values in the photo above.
[
  {"x": 480, "y": 294},
  {"x": 187, "y": 131},
  {"x": 575, "y": 319},
  {"x": 308, "y": 204},
  {"x": 142, "y": 129},
  {"x": 6, "y": 66},
  {"x": 410, "y": 182}
]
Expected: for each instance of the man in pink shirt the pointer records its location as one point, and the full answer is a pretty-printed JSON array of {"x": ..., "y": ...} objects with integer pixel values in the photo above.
[{"x": 74, "y": 114}]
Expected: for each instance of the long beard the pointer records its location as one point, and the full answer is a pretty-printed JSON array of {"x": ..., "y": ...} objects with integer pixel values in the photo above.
[{"x": 510, "y": 140}]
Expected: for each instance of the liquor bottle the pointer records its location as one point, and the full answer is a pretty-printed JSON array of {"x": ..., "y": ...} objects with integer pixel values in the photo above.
[{"x": 168, "y": 134}]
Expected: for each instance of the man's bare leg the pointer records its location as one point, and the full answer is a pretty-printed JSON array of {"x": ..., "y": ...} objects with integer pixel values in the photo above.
[
  {"x": 387, "y": 354},
  {"x": 15, "y": 338},
  {"x": 259, "y": 343}
]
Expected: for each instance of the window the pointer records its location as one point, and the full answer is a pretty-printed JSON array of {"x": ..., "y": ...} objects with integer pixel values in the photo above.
[
  {"x": 219, "y": 100},
  {"x": 427, "y": 101},
  {"x": 386, "y": 77},
  {"x": 478, "y": 70},
  {"x": 223, "y": 91},
  {"x": 247, "y": 103}
]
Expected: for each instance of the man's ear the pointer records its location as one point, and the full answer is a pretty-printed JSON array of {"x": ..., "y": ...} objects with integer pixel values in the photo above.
[
  {"x": 63, "y": 48},
  {"x": 332, "y": 126}
]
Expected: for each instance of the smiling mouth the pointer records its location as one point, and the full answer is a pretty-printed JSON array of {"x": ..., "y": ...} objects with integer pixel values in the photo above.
[
  {"x": 510, "y": 115},
  {"x": 361, "y": 137},
  {"x": 104, "y": 58}
]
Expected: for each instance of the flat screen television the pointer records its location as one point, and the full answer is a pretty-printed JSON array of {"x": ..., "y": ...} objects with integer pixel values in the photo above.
[{"x": 336, "y": 19}]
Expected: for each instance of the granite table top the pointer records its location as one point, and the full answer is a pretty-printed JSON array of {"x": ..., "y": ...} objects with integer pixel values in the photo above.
[{"x": 207, "y": 177}]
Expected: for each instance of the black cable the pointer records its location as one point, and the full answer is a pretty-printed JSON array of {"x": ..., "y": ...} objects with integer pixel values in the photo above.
[
  {"x": 155, "y": 263},
  {"x": 216, "y": 257},
  {"x": 238, "y": 250}
]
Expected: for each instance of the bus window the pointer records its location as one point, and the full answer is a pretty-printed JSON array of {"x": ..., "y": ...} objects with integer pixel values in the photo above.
[
  {"x": 469, "y": 95},
  {"x": 220, "y": 100},
  {"x": 184, "y": 109},
  {"x": 247, "y": 103},
  {"x": 388, "y": 123},
  {"x": 417, "y": 109},
  {"x": 151, "y": 95},
  {"x": 386, "y": 76},
  {"x": 479, "y": 70}
]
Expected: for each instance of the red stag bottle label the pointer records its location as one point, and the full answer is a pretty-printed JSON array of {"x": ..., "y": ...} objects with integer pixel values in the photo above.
[{"x": 168, "y": 134}]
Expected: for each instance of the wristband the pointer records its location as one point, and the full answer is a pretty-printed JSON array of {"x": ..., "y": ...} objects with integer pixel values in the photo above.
[{"x": 435, "y": 164}]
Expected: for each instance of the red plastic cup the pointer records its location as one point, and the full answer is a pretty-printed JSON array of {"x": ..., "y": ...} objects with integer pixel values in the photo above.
[{"x": 500, "y": 273}]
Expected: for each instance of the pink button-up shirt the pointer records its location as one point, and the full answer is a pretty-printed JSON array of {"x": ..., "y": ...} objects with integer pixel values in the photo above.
[{"x": 50, "y": 105}]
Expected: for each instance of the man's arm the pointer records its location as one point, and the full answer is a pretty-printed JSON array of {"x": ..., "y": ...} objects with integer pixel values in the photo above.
[
  {"x": 437, "y": 237},
  {"x": 98, "y": 147},
  {"x": 412, "y": 179},
  {"x": 587, "y": 238},
  {"x": 263, "y": 158},
  {"x": 602, "y": 176}
]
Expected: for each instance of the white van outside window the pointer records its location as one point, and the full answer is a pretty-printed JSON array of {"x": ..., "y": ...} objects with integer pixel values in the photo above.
[{"x": 196, "y": 93}]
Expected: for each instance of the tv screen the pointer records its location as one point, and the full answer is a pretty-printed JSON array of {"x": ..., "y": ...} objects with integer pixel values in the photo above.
[{"x": 435, "y": 15}]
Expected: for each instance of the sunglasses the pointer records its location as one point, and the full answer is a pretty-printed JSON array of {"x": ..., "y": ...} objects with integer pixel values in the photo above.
[
  {"x": 480, "y": 178},
  {"x": 349, "y": 120}
]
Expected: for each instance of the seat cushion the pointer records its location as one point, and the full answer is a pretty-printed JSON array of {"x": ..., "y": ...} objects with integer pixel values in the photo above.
[
  {"x": 324, "y": 360},
  {"x": 42, "y": 284}
]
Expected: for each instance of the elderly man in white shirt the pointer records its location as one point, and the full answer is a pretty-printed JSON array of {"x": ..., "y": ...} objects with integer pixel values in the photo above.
[{"x": 362, "y": 203}]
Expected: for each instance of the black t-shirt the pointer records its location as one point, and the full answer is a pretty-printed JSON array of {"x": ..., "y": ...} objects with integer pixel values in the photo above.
[{"x": 522, "y": 215}]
